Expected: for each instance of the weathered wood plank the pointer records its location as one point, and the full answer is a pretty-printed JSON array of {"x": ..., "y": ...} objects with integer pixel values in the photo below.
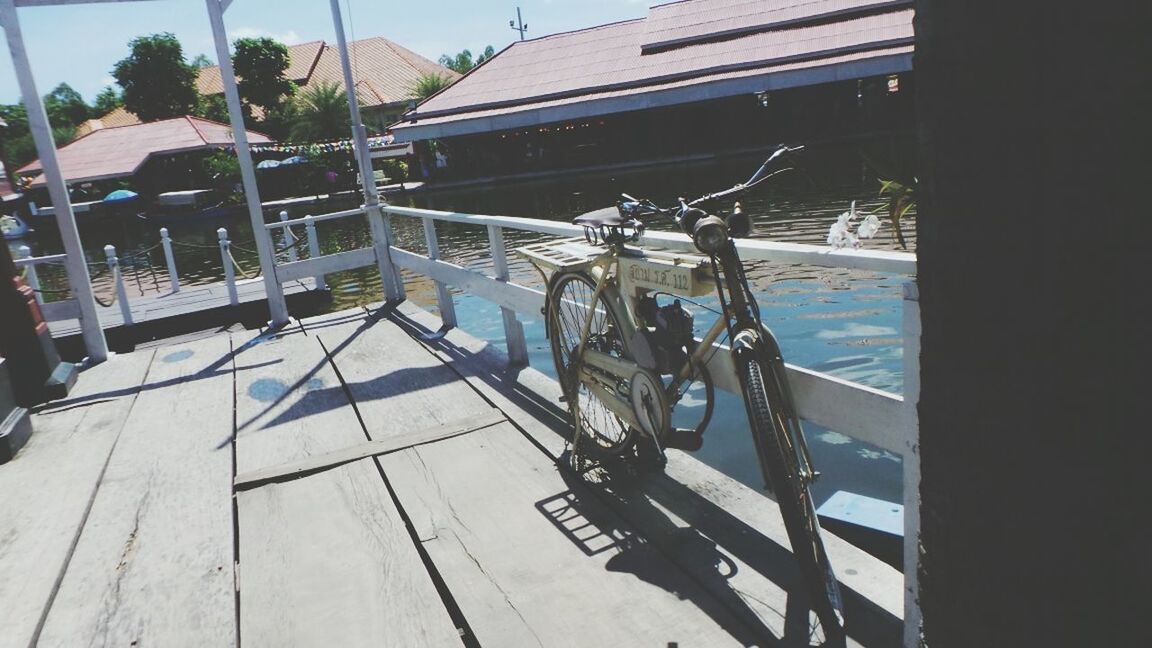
[
  {"x": 46, "y": 490},
  {"x": 533, "y": 558},
  {"x": 325, "y": 560},
  {"x": 396, "y": 383},
  {"x": 304, "y": 467},
  {"x": 154, "y": 564}
]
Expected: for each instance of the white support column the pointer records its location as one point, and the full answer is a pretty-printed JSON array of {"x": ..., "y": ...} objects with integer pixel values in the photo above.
[
  {"x": 118, "y": 284},
  {"x": 513, "y": 329},
  {"x": 911, "y": 424},
  {"x": 78, "y": 278},
  {"x": 289, "y": 238},
  {"x": 443, "y": 295},
  {"x": 314, "y": 248},
  {"x": 277, "y": 306},
  {"x": 170, "y": 259},
  {"x": 379, "y": 226},
  {"x": 31, "y": 278},
  {"x": 229, "y": 269}
]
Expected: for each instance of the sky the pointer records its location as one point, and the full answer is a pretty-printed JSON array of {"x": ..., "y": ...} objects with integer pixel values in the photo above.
[{"x": 80, "y": 44}]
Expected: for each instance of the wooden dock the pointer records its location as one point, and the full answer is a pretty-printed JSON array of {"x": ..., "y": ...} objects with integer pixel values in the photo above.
[
  {"x": 150, "y": 309},
  {"x": 344, "y": 483}
]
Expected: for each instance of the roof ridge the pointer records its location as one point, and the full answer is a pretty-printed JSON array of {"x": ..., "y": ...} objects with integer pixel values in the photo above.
[
  {"x": 583, "y": 29},
  {"x": 191, "y": 122}
]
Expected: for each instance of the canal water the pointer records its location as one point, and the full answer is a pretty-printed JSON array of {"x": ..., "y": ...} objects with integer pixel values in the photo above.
[{"x": 842, "y": 322}]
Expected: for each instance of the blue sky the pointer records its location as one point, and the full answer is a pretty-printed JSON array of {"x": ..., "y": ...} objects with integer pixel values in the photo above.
[{"x": 80, "y": 44}]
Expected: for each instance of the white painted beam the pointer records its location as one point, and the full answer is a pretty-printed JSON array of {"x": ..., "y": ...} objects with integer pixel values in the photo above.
[{"x": 78, "y": 277}]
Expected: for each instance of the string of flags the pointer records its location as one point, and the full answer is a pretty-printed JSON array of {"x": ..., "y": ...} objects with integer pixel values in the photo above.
[{"x": 317, "y": 147}]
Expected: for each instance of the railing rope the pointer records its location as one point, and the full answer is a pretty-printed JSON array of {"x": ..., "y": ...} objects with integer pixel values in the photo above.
[
  {"x": 314, "y": 248},
  {"x": 229, "y": 271},
  {"x": 170, "y": 259},
  {"x": 513, "y": 329},
  {"x": 31, "y": 278},
  {"x": 443, "y": 294},
  {"x": 118, "y": 283}
]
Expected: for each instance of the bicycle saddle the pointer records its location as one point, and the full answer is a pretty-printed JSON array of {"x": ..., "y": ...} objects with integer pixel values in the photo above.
[{"x": 606, "y": 217}]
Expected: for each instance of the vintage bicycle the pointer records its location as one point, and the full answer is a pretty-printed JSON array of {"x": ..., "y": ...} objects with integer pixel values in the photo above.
[{"x": 625, "y": 360}]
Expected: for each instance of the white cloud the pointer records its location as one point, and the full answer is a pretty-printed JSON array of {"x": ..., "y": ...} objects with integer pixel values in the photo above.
[{"x": 289, "y": 37}]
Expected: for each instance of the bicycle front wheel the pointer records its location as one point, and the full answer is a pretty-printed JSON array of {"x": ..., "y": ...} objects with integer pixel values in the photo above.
[
  {"x": 781, "y": 463},
  {"x": 570, "y": 302}
]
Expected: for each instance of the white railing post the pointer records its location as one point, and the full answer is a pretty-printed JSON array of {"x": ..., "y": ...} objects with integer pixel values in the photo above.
[
  {"x": 443, "y": 295},
  {"x": 513, "y": 329},
  {"x": 314, "y": 248},
  {"x": 288, "y": 238},
  {"x": 118, "y": 283},
  {"x": 911, "y": 462},
  {"x": 170, "y": 259},
  {"x": 32, "y": 279},
  {"x": 229, "y": 269}
]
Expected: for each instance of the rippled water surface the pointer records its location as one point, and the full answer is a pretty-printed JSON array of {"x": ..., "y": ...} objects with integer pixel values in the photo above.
[{"x": 845, "y": 323}]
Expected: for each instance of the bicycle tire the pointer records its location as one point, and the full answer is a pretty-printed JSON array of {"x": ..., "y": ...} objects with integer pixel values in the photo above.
[
  {"x": 781, "y": 465},
  {"x": 568, "y": 298}
]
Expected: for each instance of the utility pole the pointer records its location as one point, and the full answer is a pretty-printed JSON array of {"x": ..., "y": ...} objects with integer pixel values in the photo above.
[{"x": 519, "y": 21}]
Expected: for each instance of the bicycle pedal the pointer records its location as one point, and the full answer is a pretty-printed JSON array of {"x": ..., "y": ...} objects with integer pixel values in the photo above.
[{"x": 684, "y": 439}]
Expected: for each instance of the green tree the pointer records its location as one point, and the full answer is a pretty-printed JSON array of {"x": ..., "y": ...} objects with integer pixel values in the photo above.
[
  {"x": 427, "y": 85},
  {"x": 463, "y": 62},
  {"x": 158, "y": 83},
  {"x": 108, "y": 100},
  {"x": 321, "y": 114},
  {"x": 215, "y": 107},
  {"x": 260, "y": 63},
  {"x": 201, "y": 61},
  {"x": 65, "y": 107}
]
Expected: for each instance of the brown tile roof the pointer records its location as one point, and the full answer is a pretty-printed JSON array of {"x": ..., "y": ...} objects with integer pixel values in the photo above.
[
  {"x": 609, "y": 58},
  {"x": 384, "y": 72},
  {"x": 120, "y": 151}
]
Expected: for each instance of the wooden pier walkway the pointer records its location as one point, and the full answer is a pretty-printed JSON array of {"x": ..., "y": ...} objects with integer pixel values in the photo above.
[
  {"x": 63, "y": 320},
  {"x": 343, "y": 483}
]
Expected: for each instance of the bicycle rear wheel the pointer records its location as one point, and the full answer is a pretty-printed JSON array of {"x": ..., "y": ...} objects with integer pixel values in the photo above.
[
  {"x": 781, "y": 464},
  {"x": 569, "y": 302}
]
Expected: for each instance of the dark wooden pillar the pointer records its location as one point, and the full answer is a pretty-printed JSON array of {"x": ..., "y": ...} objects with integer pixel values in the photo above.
[{"x": 1034, "y": 266}]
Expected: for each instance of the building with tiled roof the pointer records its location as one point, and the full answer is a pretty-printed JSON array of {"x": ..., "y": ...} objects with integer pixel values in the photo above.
[
  {"x": 691, "y": 75},
  {"x": 159, "y": 156},
  {"x": 384, "y": 72}
]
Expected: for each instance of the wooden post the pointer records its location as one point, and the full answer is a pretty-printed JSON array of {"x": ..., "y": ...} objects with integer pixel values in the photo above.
[
  {"x": 443, "y": 295},
  {"x": 911, "y": 464},
  {"x": 78, "y": 277},
  {"x": 32, "y": 279},
  {"x": 118, "y": 283},
  {"x": 377, "y": 223},
  {"x": 277, "y": 306},
  {"x": 314, "y": 248},
  {"x": 513, "y": 330},
  {"x": 288, "y": 237},
  {"x": 229, "y": 269},
  {"x": 170, "y": 259}
]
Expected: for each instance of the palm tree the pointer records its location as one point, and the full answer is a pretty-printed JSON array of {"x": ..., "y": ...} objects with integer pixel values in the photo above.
[
  {"x": 427, "y": 85},
  {"x": 321, "y": 114}
]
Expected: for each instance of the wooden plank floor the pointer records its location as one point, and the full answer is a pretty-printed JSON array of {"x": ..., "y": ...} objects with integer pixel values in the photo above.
[
  {"x": 341, "y": 483},
  {"x": 62, "y": 319}
]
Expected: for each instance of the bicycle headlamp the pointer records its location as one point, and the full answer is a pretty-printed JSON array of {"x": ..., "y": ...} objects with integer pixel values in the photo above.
[{"x": 710, "y": 235}]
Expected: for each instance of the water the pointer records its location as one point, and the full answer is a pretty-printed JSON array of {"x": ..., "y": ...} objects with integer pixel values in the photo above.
[{"x": 842, "y": 322}]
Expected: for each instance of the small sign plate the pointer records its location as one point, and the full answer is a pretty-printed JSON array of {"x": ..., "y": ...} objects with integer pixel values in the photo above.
[{"x": 679, "y": 279}]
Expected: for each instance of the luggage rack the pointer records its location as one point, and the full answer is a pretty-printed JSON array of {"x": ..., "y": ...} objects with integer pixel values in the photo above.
[{"x": 577, "y": 253}]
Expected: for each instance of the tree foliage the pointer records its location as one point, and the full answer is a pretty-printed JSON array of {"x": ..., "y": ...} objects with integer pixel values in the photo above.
[
  {"x": 427, "y": 85},
  {"x": 65, "y": 107},
  {"x": 260, "y": 63},
  {"x": 463, "y": 62},
  {"x": 201, "y": 61},
  {"x": 108, "y": 100},
  {"x": 158, "y": 83},
  {"x": 321, "y": 114}
]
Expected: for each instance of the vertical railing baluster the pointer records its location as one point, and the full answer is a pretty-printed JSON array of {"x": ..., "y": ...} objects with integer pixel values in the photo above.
[
  {"x": 513, "y": 329},
  {"x": 229, "y": 269},
  {"x": 443, "y": 295},
  {"x": 31, "y": 278},
  {"x": 314, "y": 248},
  {"x": 288, "y": 238},
  {"x": 911, "y": 462},
  {"x": 118, "y": 283},
  {"x": 170, "y": 259}
]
